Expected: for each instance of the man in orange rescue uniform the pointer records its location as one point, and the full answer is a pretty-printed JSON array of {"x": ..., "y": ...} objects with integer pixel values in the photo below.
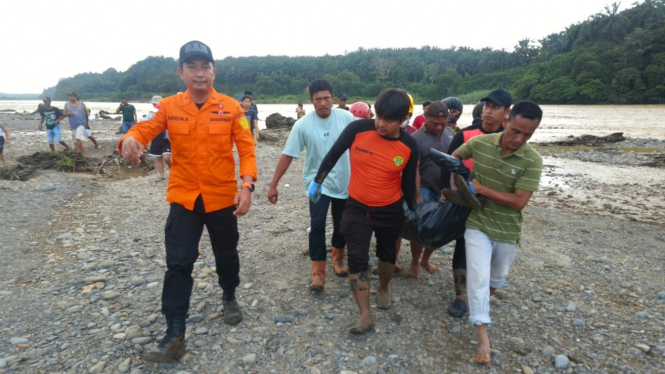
[{"x": 203, "y": 125}]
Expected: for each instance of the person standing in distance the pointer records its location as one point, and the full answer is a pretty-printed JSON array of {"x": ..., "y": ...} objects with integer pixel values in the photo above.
[
  {"x": 160, "y": 146},
  {"x": 203, "y": 126},
  {"x": 78, "y": 120},
  {"x": 420, "y": 120},
  {"x": 341, "y": 101},
  {"x": 456, "y": 108},
  {"x": 4, "y": 138},
  {"x": 300, "y": 111},
  {"x": 128, "y": 115},
  {"x": 52, "y": 116},
  {"x": 317, "y": 132},
  {"x": 250, "y": 114},
  {"x": 252, "y": 106}
]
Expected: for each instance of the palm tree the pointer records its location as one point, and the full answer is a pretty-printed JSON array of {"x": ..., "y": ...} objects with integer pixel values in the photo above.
[
  {"x": 613, "y": 24},
  {"x": 524, "y": 52},
  {"x": 647, "y": 12}
]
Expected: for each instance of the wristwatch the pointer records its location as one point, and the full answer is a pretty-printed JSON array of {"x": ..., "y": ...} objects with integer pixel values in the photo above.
[{"x": 248, "y": 185}]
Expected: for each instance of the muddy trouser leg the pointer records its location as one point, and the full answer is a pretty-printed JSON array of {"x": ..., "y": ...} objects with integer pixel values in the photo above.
[
  {"x": 222, "y": 227},
  {"x": 387, "y": 222},
  {"x": 357, "y": 230},
  {"x": 459, "y": 266},
  {"x": 182, "y": 234},
  {"x": 337, "y": 207},
  {"x": 318, "y": 213}
]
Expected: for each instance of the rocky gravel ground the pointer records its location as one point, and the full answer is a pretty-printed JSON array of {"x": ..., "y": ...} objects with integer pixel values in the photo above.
[{"x": 84, "y": 261}]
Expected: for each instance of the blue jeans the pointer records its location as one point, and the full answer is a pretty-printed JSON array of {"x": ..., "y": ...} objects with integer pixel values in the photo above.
[
  {"x": 53, "y": 135},
  {"x": 318, "y": 213},
  {"x": 429, "y": 195},
  {"x": 126, "y": 126}
]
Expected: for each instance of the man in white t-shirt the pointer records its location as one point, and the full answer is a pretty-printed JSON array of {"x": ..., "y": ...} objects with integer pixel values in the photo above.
[{"x": 317, "y": 132}]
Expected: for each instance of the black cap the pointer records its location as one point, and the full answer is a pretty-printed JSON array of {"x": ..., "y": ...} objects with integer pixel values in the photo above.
[
  {"x": 499, "y": 97},
  {"x": 195, "y": 48},
  {"x": 437, "y": 109},
  {"x": 343, "y": 96},
  {"x": 73, "y": 94},
  {"x": 46, "y": 98}
]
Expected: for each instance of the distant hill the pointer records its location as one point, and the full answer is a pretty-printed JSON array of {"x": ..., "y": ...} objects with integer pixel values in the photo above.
[
  {"x": 612, "y": 57},
  {"x": 11, "y": 96}
]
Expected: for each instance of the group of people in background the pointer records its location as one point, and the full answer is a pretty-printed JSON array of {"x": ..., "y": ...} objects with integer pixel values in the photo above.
[{"x": 79, "y": 123}]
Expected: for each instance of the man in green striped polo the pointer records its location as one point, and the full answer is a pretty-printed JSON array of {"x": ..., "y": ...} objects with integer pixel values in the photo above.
[{"x": 506, "y": 170}]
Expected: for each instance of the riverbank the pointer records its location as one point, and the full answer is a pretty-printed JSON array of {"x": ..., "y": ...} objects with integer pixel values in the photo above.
[{"x": 87, "y": 260}]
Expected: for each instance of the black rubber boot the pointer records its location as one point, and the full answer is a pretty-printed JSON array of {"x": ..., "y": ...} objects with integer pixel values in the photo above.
[
  {"x": 232, "y": 312},
  {"x": 172, "y": 347},
  {"x": 459, "y": 307}
]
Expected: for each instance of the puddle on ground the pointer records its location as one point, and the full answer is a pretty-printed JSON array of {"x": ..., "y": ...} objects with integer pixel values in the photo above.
[
  {"x": 627, "y": 192},
  {"x": 600, "y": 173}
]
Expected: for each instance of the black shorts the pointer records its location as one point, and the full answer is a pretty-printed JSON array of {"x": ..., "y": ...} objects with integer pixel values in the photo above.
[
  {"x": 2, "y": 144},
  {"x": 359, "y": 221},
  {"x": 160, "y": 146}
]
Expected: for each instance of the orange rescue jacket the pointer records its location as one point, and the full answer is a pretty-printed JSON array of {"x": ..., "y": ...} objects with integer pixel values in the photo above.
[{"x": 201, "y": 148}]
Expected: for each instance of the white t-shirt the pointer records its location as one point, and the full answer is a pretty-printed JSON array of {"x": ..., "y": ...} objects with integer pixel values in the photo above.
[{"x": 318, "y": 135}]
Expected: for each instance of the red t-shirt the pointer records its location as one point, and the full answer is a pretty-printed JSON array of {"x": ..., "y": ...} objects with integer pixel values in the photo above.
[{"x": 419, "y": 121}]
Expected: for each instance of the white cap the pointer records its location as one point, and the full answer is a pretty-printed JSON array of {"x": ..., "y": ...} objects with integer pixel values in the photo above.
[{"x": 156, "y": 99}]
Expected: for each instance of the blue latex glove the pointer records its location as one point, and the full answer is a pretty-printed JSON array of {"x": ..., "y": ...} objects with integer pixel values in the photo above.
[
  {"x": 473, "y": 190},
  {"x": 314, "y": 192},
  {"x": 410, "y": 215}
]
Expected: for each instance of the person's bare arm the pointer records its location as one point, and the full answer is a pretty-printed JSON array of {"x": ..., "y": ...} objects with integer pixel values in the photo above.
[
  {"x": 280, "y": 170},
  {"x": 517, "y": 200},
  {"x": 135, "y": 115},
  {"x": 87, "y": 116},
  {"x": 41, "y": 122},
  {"x": 65, "y": 113}
]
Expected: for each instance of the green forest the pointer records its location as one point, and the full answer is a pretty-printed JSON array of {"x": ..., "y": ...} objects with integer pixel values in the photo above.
[{"x": 612, "y": 57}]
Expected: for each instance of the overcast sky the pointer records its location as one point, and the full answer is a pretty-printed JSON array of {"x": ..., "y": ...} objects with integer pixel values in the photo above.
[{"x": 44, "y": 41}]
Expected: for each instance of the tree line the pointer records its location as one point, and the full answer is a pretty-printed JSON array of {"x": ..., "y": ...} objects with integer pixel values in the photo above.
[{"x": 612, "y": 57}]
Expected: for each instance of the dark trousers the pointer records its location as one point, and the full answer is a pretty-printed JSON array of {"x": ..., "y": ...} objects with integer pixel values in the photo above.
[
  {"x": 318, "y": 213},
  {"x": 359, "y": 221},
  {"x": 183, "y": 232},
  {"x": 459, "y": 256}
]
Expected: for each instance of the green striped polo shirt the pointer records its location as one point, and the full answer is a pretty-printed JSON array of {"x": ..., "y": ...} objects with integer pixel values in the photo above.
[{"x": 519, "y": 170}]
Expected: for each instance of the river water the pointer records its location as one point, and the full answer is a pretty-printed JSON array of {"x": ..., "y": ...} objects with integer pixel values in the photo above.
[{"x": 559, "y": 121}]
